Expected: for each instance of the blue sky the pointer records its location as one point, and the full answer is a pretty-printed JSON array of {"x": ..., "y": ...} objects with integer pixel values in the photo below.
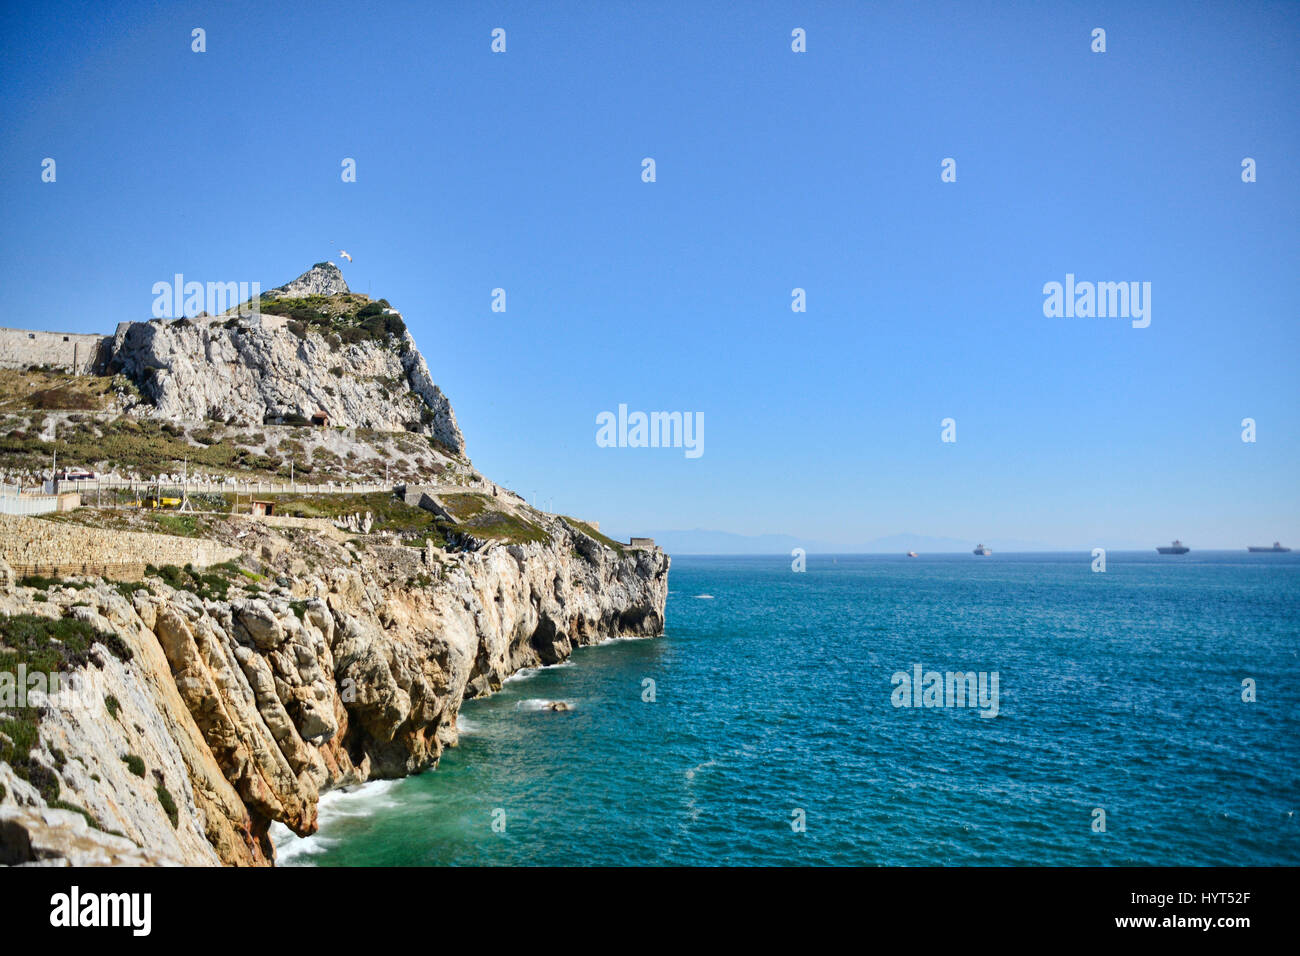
[{"x": 775, "y": 170}]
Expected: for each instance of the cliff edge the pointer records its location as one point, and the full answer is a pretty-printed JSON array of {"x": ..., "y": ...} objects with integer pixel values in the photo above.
[{"x": 170, "y": 713}]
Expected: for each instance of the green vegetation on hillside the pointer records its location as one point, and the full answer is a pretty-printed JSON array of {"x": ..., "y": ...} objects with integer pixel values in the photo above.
[
  {"x": 413, "y": 525},
  {"x": 149, "y": 447},
  {"x": 136, "y": 519},
  {"x": 210, "y": 585},
  {"x": 465, "y": 506},
  {"x": 137, "y": 444},
  {"x": 591, "y": 532},
  {"x": 499, "y": 526},
  {"x": 46, "y": 389},
  {"x": 345, "y": 319},
  {"x": 46, "y": 646}
]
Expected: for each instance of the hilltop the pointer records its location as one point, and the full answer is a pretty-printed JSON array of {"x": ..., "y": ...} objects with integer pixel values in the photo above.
[
  {"x": 314, "y": 348},
  {"x": 234, "y": 395}
]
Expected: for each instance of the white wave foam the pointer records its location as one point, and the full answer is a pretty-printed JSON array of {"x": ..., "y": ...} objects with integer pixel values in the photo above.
[
  {"x": 611, "y": 640},
  {"x": 542, "y": 703},
  {"x": 361, "y": 801},
  {"x": 690, "y": 774},
  {"x": 704, "y": 597},
  {"x": 291, "y": 850},
  {"x": 524, "y": 673},
  {"x": 464, "y": 726}
]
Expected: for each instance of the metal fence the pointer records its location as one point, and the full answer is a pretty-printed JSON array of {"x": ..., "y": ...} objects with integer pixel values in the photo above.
[{"x": 92, "y": 486}]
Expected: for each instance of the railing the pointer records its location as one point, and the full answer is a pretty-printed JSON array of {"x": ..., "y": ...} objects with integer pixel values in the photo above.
[{"x": 223, "y": 487}]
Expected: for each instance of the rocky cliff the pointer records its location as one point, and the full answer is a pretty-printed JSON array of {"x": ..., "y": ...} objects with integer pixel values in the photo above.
[
  {"x": 335, "y": 640},
  {"x": 244, "y": 707},
  {"x": 313, "y": 347}
]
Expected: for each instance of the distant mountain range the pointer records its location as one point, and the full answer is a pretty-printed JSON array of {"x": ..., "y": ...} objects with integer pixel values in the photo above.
[{"x": 701, "y": 541}]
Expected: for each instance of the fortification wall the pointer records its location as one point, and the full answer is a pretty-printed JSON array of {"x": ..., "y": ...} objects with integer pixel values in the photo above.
[
  {"x": 70, "y": 351},
  {"x": 54, "y": 549}
]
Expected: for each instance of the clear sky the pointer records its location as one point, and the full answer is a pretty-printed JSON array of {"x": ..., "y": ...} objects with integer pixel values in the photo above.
[{"x": 775, "y": 170}]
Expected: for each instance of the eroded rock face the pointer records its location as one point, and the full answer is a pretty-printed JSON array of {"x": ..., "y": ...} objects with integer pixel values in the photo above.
[
  {"x": 324, "y": 278},
  {"x": 256, "y": 368},
  {"x": 247, "y": 709}
]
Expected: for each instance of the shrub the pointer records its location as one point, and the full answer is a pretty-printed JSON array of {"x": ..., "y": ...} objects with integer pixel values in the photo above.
[
  {"x": 134, "y": 764},
  {"x": 52, "y": 645},
  {"x": 168, "y": 804}
]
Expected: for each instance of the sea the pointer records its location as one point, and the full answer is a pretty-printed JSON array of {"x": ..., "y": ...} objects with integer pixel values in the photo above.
[{"x": 1147, "y": 714}]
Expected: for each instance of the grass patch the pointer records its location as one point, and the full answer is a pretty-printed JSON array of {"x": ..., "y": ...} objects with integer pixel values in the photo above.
[
  {"x": 46, "y": 646},
  {"x": 499, "y": 526},
  {"x": 414, "y": 526},
  {"x": 41, "y": 583},
  {"x": 134, "y": 764},
  {"x": 181, "y": 525},
  {"x": 348, "y": 318},
  {"x": 52, "y": 645},
  {"x": 168, "y": 804},
  {"x": 465, "y": 506},
  {"x": 591, "y": 532},
  {"x": 112, "y": 705},
  {"x": 45, "y": 389},
  {"x": 210, "y": 585}
]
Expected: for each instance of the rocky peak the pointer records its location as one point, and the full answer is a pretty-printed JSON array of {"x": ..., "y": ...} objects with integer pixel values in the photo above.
[
  {"x": 353, "y": 360},
  {"x": 324, "y": 278}
]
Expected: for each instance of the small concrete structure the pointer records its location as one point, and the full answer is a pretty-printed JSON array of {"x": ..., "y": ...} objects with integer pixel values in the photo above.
[
  {"x": 262, "y": 509},
  {"x": 320, "y": 418},
  {"x": 641, "y": 543}
]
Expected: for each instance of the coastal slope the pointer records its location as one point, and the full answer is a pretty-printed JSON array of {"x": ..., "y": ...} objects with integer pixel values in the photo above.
[{"x": 278, "y": 657}]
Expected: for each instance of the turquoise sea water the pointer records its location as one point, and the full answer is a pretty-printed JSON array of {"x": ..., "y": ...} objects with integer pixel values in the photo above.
[{"x": 1119, "y": 690}]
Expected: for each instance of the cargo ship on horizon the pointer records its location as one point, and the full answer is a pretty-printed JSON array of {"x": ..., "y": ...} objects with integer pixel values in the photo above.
[
  {"x": 1277, "y": 547},
  {"x": 980, "y": 549},
  {"x": 1176, "y": 548}
]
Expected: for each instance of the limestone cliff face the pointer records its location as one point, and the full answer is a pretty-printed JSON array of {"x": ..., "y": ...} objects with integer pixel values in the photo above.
[
  {"x": 352, "y": 667},
  {"x": 253, "y": 368}
]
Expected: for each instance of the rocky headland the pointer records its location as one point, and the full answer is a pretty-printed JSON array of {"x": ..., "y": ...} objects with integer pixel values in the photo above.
[{"x": 200, "y": 704}]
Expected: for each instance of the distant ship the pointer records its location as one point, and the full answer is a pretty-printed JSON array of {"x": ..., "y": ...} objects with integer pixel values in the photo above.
[
  {"x": 913, "y": 554},
  {"x": 983, "y": 550},
  {"x": 1176, "y": 548},
  {"x": 1277, "y": 546}
]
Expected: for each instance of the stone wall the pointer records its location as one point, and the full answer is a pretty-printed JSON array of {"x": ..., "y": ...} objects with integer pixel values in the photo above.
[
  {"x": 55, "y": 549},
  {"x": 70, "y": 351}
]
